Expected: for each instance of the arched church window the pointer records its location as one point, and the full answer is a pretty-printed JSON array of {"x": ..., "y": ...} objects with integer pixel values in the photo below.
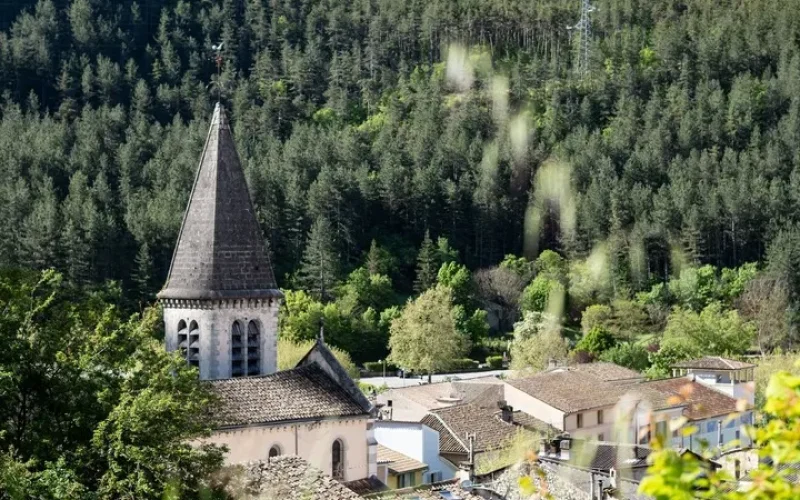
[
  {"x": 183, "y": 338},
  {"x": 193, "y": 354},
  {"x": 253, "y": 349},
  {"x": 337, "y": 460},
  {"x": 275, "y": 451},
  {"x": 237, "y": 350}
]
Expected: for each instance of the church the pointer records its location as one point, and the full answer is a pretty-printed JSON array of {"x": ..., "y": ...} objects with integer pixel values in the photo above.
[{"x": 221, "y": 305}]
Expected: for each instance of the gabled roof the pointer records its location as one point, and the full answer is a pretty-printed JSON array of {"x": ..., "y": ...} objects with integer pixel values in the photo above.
[
  {"x": 446, "y": 394},
  {"x": 713, "y": 363},
  {"x": 220, "y": 251},
  {"x": 320, "y": 355},
  {"x": 570, "y": 391},
  {"x": 700, "y": 401},
  {"x": 397, "y": 462},
  {"x": 608, "y": 372},
  {"x": 454, "y": 423},
  {"x": 306, "y": 392}
]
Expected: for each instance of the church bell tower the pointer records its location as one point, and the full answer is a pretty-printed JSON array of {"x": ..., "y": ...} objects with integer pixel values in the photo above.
[{"x": 221, "y": 300}]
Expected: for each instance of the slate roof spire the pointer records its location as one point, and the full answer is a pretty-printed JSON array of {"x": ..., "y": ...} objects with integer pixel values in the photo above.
[{"x": 220, "y": 251}]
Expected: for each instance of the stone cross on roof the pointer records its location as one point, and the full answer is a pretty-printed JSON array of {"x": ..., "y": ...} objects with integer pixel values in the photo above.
[{"x": 220, "y": 251}]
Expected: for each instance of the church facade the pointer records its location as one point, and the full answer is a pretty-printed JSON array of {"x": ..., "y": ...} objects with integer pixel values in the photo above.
[{"x": 221, "y": 306}]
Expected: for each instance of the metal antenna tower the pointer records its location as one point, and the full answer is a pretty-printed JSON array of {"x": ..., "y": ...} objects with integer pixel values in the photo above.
[{"x": 584, "y": 28}]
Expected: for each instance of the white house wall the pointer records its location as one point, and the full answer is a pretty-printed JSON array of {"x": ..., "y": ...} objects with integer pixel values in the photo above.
[{"x": 417, "y": 441}]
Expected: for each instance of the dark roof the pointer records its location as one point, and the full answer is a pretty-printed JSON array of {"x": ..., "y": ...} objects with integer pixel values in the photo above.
[
  {"x": 306, "y": 392},
  {"x": 366, "y": 486},
  {"x": 398, "y": 462},
  {"x": 713, "y": 363},
  {"x": 602, "y": 455},
  {"x": 220, "y": 251},
  {"x": 570, "y": 391},
  {"x": 454, "y": 423},
  {"x": 700, "y": 402},
  {"x": 292, "y": 478},
  {"x": 320, "y": 354}
]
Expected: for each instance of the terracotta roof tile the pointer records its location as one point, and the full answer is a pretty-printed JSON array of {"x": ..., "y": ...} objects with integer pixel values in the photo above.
[
  {"x": 713, "y": 363},
  {"x": 397, "y": 462},
  {"x": 454, "y": 423},
  {"x": 301, "y": 393},
  {"x": 570, "y": 391},
  {"x": 701, "y": 402},
  {"x": 608, "y": 372}
]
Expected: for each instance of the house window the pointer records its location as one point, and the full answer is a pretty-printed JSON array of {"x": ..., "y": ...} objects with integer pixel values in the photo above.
[
  {"x": 275, "y": 451},
  {"x": 737, "y": 469},
  {"x": 599, "y": 417},
  {"x": 337, "y": 460},
  {"x": 189, "y": 342},
  {"x": 253, "y": 349},
  {"x": 711, "y": 426},
  {"x": 601, "y": 437},
  {"x": 661, "y": 429},
  {"x": 406, "y": 480},
  {"x": 435, "y": 476},
  {"x": 237, "y": 350},
  {"x": 580, "y": 420}
]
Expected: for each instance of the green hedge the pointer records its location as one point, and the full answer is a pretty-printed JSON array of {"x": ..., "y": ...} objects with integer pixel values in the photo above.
[
  {"x": 377, "y": 367},
  {"x": 495, "y": 362},
  {"x": 464, "y": 364}
]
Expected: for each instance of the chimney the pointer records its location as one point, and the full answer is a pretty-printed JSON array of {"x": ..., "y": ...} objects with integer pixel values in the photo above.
[
  {"x": 507, "y": 412},
  {"x": 563, "y": 447}
]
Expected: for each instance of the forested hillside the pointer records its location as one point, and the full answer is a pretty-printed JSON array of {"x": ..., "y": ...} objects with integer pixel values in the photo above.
[{"x": 380, "y": 120}]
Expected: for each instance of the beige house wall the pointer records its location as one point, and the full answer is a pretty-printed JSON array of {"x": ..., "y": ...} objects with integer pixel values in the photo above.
[
  {"x": 525, "y": 402},
  {"x": 311, "y": 441},
  {"x": 591, "y": 428}
]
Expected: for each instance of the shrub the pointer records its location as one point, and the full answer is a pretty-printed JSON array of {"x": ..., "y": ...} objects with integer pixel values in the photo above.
[
  {"x": 596, "y": 341},
  {"x": 464, "y": 364},
  {"x": 377, "y": 367},
  {"x": 495, "y": 362},
  {"x": 629, "y": 355},
  {"x": 290, "y": 353}
]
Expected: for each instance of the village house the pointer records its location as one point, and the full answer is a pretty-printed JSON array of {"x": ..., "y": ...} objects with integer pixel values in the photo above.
[
  {"x": 221, "y": 306},
  {"x": 474, "y": 434},
  {"x": 714, "y": 395},
  {"x": 397, "y": 470},
  {"x": 418, "y": 441},
  {"x": 570, "y": 400}
]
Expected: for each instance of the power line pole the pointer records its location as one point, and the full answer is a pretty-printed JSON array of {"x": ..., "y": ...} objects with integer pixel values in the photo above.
[{"x": 584, "y": 29}]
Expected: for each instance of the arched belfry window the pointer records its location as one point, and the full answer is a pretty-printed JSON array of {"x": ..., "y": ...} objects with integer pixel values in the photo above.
[
  {"x": 189, "y": 342},
  {"x": 237, "y": 350},
  {"x": 337, "y": 460},
  {"x": 253, "y": 349},
  {"x": 194, "y": 344}
]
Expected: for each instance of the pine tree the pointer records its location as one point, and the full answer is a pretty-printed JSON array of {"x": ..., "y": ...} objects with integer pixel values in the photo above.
[
  {"x": 427, "y": 265},
  {"x": 319, "y": 270},
  {"x": 144, "y": 273}
]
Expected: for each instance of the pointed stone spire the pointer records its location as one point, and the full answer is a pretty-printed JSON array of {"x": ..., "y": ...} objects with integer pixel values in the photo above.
[{"x": 220, "y": 251}]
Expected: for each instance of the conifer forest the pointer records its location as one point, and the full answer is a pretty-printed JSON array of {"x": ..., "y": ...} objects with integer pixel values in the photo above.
[{"x": 383, "y": 139}]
